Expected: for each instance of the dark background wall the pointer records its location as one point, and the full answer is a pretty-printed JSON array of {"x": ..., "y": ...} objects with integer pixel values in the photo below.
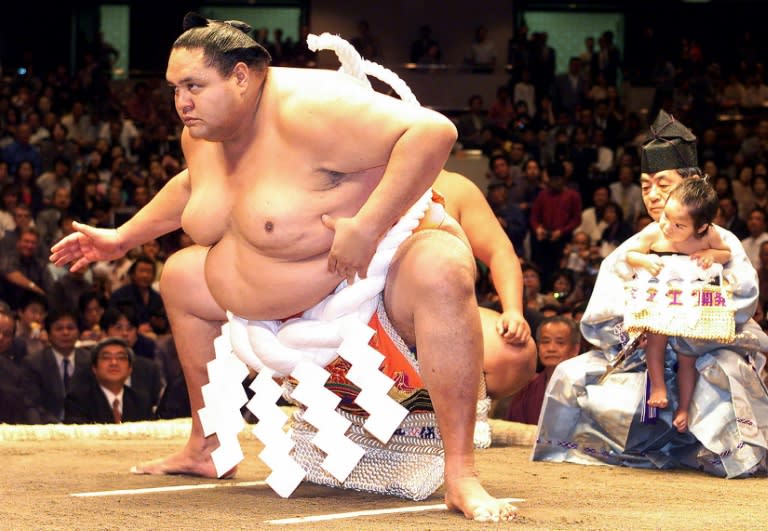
[{"x": 50, "y": 31}]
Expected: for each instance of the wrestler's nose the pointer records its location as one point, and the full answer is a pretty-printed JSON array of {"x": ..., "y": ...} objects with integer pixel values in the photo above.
[{"x": 183, "y": 104}]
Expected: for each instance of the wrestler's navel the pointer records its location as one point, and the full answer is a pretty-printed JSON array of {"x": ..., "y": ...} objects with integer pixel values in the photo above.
[{"x": 268, "y": 226}]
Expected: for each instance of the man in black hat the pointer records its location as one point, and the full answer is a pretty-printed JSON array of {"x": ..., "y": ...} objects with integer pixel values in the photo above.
[
  {"x": 594, "y": 410},
  {"x": 667, "y": 157}
]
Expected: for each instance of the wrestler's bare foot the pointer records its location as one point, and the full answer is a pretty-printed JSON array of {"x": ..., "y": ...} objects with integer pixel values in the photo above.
[
  {"x": 466, "y": 495},
  {"x": 680, "y": 422},
  {"x": 185, "y": 462},
  {"x": 658, "y": 398}
]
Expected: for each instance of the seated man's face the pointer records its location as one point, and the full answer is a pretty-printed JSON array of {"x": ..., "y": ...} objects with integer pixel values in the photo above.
[
  {"x": 32, "y": 313},
  {"x": 143, "y": 275},
  {"x": 555, "y": 344},
  {"x": 113, "y": 366},
  {"x": 125, "y": 330}
]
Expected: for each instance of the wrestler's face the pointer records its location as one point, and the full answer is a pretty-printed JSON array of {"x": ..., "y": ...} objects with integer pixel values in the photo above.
[
  {"x": 555, "y": 344},
  {"x": 209, "y": 105},
  {"x": 676, "y": 223},
  {"x": 656, "y": 188}
]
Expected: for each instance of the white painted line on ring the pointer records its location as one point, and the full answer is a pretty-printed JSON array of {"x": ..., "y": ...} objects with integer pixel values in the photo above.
[
  {"x": 371, "y": 512},
  {"x": 172, "y": 488}
]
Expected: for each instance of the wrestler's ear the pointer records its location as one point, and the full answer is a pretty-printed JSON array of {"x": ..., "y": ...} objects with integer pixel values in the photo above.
[{"x": 241, "y": 73}]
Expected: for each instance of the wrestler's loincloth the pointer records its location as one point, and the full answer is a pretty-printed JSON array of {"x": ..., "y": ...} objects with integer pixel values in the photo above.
[{"x": 399, "y": 363}]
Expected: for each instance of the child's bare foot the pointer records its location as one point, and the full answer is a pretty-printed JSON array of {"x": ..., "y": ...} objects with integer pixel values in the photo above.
[
  {"x": 658, "y": 398},
  {"x": 466, "y": 495},
  {"x": 680, "y": 422}
]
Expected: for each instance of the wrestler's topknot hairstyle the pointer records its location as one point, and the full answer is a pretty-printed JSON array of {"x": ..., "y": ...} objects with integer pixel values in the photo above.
[
  {"x": 224, "y": 43},
  {"x": 697, "y": 195}
]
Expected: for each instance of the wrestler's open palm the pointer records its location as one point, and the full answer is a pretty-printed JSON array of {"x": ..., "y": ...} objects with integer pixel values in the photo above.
[
  {"x": 87, "y": 244},
  {"x": 352, "y": 248}
]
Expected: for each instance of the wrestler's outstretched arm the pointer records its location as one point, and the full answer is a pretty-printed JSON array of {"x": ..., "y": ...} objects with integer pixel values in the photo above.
[
  {"x": 160, "y": 216},
  {"x": 490, "y": 244}
]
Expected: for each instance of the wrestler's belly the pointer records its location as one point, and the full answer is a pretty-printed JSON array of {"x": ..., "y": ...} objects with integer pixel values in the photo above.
[{"x": 259, "y": 287}]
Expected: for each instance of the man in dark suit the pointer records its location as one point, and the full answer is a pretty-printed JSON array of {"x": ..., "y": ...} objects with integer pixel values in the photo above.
[
  {"x": 47, "y": 374},
  {"x": 145, "y": 377},
  {"x": 138, "y": 294},
  {"x": 570, "y": 89},
  {"x": 13, "y": 403},
  {"x": 728, "y": 217},
  {"x": 103, "y": 397}
]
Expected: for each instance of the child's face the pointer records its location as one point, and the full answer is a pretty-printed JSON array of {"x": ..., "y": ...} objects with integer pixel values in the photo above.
[{"x": 675, "y": 223}]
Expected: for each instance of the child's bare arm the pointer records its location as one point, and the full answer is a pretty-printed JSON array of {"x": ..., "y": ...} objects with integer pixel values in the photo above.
[
  {"x": 637, "y": 255},
  {"x": 718, "y": 251}
]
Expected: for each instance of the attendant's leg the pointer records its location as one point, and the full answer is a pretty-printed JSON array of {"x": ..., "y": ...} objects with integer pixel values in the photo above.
[
  {"x": 507, "y": 367},
  {"x": 686, "y": 381},
  {"x": 430, "y": 299},
  {"x": 655, "y": 348},
  {"x": 195, "y": 320}
]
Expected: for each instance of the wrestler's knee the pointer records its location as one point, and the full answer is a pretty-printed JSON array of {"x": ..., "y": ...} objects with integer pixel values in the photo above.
[
  {"x": 183, "y": 270},
  {"x": 438, "y": 263}
]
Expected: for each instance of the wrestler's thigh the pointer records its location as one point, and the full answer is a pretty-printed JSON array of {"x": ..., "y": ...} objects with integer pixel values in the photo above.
[
  {"x": 430, "y": 268},
  {"x": 491, "y": 338},
  {"x": 183, "y": 286}
]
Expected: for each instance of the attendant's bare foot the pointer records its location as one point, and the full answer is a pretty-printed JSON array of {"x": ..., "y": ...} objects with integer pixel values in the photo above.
[
  {"x": 466, "y": 495},
  {"x": 680, "y": 422},
  {"x": 184, "y": 462},
  {"x": 658, "y": 398}
]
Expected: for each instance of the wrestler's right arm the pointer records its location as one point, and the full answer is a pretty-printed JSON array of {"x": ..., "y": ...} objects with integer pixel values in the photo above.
[{"x": 160, "y": 216}]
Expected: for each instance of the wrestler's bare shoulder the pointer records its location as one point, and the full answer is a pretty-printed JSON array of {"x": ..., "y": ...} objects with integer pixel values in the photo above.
[{"x": 339, "y": 115}]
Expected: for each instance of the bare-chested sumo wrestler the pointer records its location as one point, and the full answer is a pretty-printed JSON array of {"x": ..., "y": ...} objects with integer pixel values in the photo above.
[{"x": 293, "y": 176}]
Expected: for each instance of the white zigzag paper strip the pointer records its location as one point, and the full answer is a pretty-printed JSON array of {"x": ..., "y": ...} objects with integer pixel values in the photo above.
[
  {"x": 342, "y": 455},
  {"x": 285, "y": 474},
  {"x": 223, "y": 397},
  {"x": 385, "y": 415}
]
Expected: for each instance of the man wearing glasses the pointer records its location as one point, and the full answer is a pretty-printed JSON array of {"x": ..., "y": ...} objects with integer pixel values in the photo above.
[{"x": 103, "y": 396}]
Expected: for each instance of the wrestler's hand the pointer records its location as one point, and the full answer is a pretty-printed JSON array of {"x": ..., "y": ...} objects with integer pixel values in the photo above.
[
  {"x": 352, "y": 248},
  {"x": 513, "y": 327},
  {"x": 87, "y": 244}
]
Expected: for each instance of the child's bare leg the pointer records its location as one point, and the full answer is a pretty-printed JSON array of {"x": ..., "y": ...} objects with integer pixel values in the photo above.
[
  {"x": 686, "y": 381},
  {"x": 654, "y": 358}
]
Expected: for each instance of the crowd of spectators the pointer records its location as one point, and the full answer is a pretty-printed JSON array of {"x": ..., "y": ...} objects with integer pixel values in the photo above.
[{"x": 562, "y": 179}]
